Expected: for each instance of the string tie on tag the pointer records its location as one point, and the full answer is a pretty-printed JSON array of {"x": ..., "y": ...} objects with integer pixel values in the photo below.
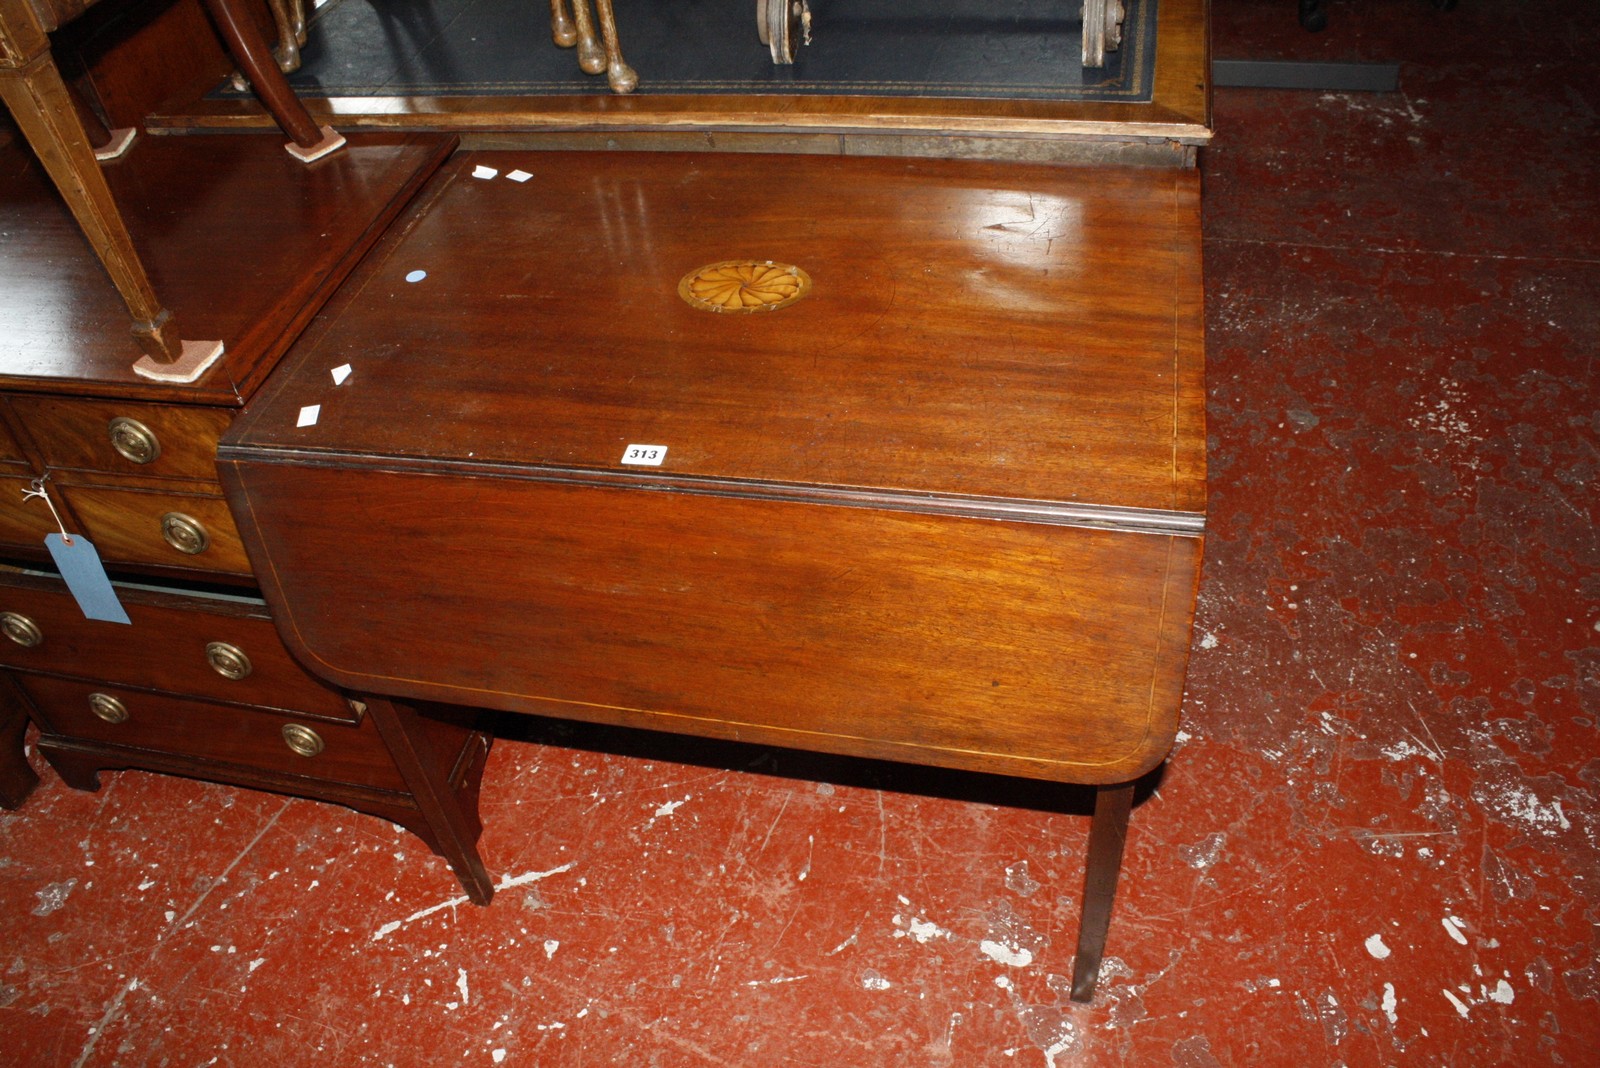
[{"x": 38, "y": 490}]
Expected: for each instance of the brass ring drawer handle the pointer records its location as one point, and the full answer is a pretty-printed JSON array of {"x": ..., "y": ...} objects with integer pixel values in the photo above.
[
  {"x": 133, "y": 440},
  {"x": 20, "y": 629},
  {"x": 108, "y": 708},
  {"x": 303, "y": 740},
  {"x": 227, "y": 660},
  {"x": 185, "y": 533}
]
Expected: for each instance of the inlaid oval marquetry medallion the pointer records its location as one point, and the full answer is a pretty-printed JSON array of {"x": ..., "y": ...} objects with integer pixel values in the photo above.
[{"x": 744, "y": 286}]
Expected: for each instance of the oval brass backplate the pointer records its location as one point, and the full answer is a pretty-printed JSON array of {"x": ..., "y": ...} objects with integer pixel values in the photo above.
[
  {"x": 303, "y": 740},
  {"x": 133, "y": 440},
  {"x": 185, "y": 533},
  {"x": 227, "y": 660},
  {"x": 744, "y": 286},
  {"x": 108, "y": 708},
  {"x": 20, "y": 629}
]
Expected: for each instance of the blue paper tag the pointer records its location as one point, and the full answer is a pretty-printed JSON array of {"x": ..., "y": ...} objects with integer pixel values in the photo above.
[{"x": 86, "y": 577}]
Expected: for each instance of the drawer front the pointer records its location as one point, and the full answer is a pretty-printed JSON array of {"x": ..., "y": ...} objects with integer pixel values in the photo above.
[
  {"x": 172, "y": 645},
  {"x": 10, "y": 451},
  {"x": 163, "y": 529},
  {"x": 199, "y": 730},
  {"x": 161, "y": 441}
]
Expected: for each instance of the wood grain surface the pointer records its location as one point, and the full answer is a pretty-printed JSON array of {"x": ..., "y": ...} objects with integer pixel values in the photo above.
[
  {"x": 942, "y": 509},
  {"x": 241, "y": 241},
  {"x": 165, "y": 648},
  {"x": 126, "y": 526},
  {"x": 1045, "y": 651},
  {"x": 205, "y": 733},
  {"x": 70, "y": 434},
  {"x": 978, "y": 331}
]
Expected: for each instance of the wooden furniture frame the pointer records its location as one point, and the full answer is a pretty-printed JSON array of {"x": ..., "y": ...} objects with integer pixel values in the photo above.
[
  {"x": 51, "y": 119},
  {"x": 1166, "y": 130},
  {"x": 932, "y": 492}
]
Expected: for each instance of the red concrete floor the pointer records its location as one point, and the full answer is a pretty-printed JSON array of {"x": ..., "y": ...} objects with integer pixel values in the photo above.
[{"x": 1375, "y": 843}]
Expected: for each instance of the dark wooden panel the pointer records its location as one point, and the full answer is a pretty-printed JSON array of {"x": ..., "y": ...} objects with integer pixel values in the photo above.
[
  {"x": 139, "y": 55},
  {"x": 17, "y": 777},
  {"x": 164, "y": 648},
  {"x": 1029, "y": 649},
  {"x": 11, "y": 453},
  {"x": 126, "y": 526},
  {"x": 201, "y": 732},
  {"x": 74, "y": 434},
  {"x": 1022, "y": 332}
]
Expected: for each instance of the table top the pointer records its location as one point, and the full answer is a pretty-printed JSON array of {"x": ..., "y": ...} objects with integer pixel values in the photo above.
[
  {"x": 878, "y": 457},
  {"x": 988, "y": 337}
]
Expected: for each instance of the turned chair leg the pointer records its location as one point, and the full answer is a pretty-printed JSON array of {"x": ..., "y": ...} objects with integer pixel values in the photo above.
[
  {"x": 289, "y": 18},
  {"x": 1108, "y": 833},
  {"x": 593, "y": 55},
  {"x": 250, "y": 51},
  {"x": 562, "y": 31},
  {"x": 619, "y": 75}
]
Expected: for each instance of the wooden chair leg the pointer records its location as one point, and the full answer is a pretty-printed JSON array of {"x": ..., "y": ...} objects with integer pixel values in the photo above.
[
  {"x": 400, "y": 730},
  {"x": 250, "y": 51},
  {"x": 619, "y": 75},
  {"x": 591, "y": 57},
  {"x": 47, "y": 115},
  {"x": 562, "y": 31},
  {"x": 1108, "y": 833},
  {"x": 289, "y": 37}
]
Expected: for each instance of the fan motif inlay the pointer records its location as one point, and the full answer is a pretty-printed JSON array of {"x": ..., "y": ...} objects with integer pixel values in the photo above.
[{"x": 744, "y": 286}]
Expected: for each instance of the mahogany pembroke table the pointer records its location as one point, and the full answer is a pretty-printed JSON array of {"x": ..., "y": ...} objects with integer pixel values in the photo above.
[{"x": 890, "y": 458}]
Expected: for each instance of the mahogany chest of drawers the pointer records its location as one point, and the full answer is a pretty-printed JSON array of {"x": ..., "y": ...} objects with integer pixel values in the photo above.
[
  {"x": 200, "y": 685},
  {"x": 248, "y": 243}
]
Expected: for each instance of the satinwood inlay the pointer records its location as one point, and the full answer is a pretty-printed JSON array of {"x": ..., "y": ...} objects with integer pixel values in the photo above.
[{"x": 744, "y": 286}]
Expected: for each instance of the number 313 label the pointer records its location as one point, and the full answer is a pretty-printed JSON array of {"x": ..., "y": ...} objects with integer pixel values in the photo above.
[{"x": 648, "y": 455}]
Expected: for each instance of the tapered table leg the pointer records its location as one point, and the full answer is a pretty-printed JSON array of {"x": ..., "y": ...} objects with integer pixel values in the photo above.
[
  {"x": 1108, "y": 833},
  {"x": 399, "y": 727}
]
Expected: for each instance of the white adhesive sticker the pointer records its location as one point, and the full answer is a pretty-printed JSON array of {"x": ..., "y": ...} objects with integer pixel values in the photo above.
[
  {"x": 308, "y": 415},
  {"x": 480, "y": 171},
  {"x": 340, "y": 373},
  {"x": 519, "y": 175},
  {"x": 646, "y": 455}
]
